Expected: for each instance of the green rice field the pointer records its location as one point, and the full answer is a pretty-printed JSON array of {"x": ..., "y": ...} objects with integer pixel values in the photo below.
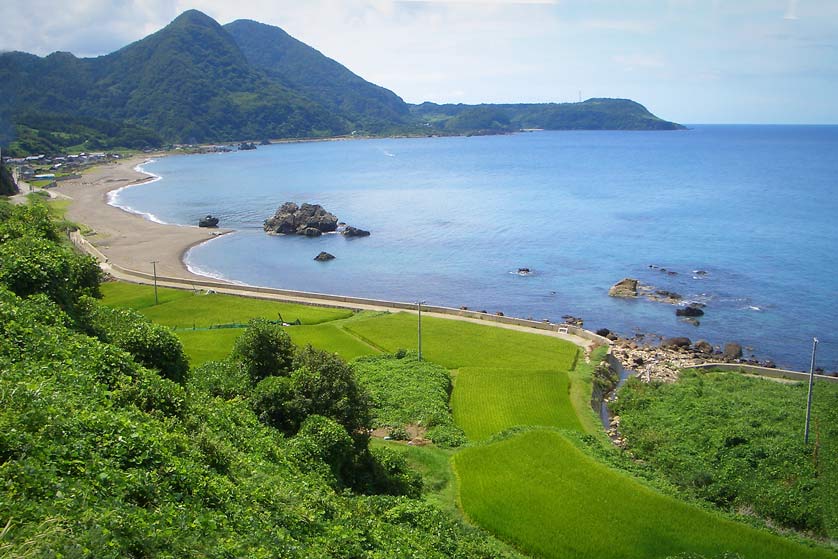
[
  {"x": 488, "y": 401},
  {"x": 544, "y": 495},
  {"x": 532, "y": 487}
]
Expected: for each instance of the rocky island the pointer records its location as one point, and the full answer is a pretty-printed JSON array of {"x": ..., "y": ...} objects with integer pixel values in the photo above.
[{"x": 311, "y": 220}]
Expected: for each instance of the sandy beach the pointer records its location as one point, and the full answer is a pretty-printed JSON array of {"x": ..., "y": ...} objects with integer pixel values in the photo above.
[{"x": 127, "y": 239}]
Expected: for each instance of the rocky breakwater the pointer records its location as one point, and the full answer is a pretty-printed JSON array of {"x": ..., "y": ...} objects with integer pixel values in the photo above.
[
  {"x": 310, "y": 220},
  {"x": 664, "y": 361}
]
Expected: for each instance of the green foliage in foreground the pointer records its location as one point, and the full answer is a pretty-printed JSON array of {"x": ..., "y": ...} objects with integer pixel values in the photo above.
[
  {"x": 439, "y": 485},
  {"x": 489, "y": 401},
  {"x": 737, "y": 442},
  {"x": 406, "y": 391},
  {"x": 263, "y": 350},
  {"x": 542, "y": 493},
  {"x": 151, "y": 345},
  {"x": 103, "y": 457}
]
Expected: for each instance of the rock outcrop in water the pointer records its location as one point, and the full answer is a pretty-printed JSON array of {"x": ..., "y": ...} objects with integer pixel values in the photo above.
[
  {"x": 208, "y": 221},
  {"x": 624, "y": 288},
  {"x": 350, "y": 231},
  {"x": 311, "y": 220}
]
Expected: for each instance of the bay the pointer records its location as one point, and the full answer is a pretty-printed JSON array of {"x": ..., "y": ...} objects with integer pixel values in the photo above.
[{"x": 453, "y": 219}]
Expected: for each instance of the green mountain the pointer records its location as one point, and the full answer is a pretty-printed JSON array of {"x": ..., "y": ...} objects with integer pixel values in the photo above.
[
  {"x": 304, "y": 69},
  {"x": 196, "y": 81},
  {"x": 593, "y": 114}
]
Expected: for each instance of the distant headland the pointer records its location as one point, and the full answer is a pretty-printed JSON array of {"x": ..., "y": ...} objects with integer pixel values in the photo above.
[{"x": 196, "y": 81}]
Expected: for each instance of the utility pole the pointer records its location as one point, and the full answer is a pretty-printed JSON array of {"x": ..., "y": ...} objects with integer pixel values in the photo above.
[
  {"x": 154, "y": 267},
  {"x": 809, "y": 398},
  {"x": 419, "y": 308}
]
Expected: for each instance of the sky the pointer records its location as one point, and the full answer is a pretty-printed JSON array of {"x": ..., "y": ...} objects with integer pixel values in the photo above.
[{"x": 689, "y": 61}]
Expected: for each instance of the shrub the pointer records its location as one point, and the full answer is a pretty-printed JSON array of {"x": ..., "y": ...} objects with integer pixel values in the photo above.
[
  {"x": 221, "y": 379},
  {"x": 152, "y": 345},
  {"x": 324, "y": 440},
  {"x": 274, "y": 402},
  {"x": 264, "y": 350},
  {"x": 325, "y": 384},
  {"x": 447, "y": 435}
]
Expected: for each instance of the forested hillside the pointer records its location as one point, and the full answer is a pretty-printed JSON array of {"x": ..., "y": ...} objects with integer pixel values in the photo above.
[{"x": 197, "y": 82}]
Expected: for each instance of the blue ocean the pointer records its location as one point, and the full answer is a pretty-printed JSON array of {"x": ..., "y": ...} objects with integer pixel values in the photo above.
[{"x": 743, "y": 219}]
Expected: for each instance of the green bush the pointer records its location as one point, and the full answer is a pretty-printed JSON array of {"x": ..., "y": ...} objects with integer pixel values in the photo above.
[
  {"x": 322, "y": 440},
  {"x": 264, "y": 350},
  {"x": 324, "y": 384},
  {"x": 405, "y": 391},
  {"x": 734, "y": 441},
  {"x": 274, "y": 401},
  {"x": 152, "y": 345},
  {"x": 221, "y": 379},
  {"x": 447, "y": 435}
]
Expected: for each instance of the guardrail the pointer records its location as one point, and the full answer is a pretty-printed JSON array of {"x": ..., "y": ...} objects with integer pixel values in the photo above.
[{"x": 762, "y": 371}]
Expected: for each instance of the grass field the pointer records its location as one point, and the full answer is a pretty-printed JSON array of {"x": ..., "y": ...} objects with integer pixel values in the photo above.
[
  {"x": 439, "y": 483},
  {"x": 213, "y": 345},
  {"x": 540, "y": 492},
  {"x": 488, "y": 401},
  {"x": 185, "y": 309}
]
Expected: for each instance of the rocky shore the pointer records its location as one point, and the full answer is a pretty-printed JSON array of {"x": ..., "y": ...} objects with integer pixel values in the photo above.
[{"x": 663, "y": 360}]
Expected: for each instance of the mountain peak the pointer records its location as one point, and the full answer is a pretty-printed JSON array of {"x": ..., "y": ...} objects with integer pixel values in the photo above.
[{"x": 193, "y": 17}]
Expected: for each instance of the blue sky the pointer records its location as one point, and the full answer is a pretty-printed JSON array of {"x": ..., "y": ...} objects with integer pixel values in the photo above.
[{"x": 712, "y": 61}]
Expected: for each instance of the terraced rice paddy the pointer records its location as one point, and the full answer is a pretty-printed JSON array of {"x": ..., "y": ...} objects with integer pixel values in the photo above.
[
  {"x": 487, "y": 401},
  {"x": 534, "y": 488}
]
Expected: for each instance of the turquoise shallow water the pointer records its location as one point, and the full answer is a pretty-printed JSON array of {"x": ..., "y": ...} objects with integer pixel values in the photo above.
[{"x": 452, "y": 219}]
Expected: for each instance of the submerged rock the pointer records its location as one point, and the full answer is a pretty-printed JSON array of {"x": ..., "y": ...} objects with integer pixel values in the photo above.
[
  {"x": 324, "y": 257},
  {"x": 350, "y": 231},
  {"x": 689, "y": 311}
]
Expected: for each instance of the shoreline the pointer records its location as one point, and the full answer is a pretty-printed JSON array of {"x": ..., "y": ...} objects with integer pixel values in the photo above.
[
  {"x": 129, "y": 239},
  {"x": 133, "y": 240}
]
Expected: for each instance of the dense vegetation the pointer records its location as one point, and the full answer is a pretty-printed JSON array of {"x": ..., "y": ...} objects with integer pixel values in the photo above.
[
  {"x": 196, "y": 81},
  {"x": 593, "y": 114},
  {"x": 8, "y": 186},
  {"x": 406, "y": 392},
  {"x": 108, "y": 448},
  {"x": 737, "y": 442},
  {"x": 369, "y": 107}
]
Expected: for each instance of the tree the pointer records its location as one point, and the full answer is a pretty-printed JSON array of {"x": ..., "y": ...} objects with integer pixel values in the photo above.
[
  {"x": 325, "y": 384},
  {"x": 264, "y": 350}
]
